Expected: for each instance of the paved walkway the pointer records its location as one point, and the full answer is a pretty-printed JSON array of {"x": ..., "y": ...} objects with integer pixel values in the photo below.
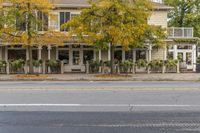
[{"x": 93, "y": 77}]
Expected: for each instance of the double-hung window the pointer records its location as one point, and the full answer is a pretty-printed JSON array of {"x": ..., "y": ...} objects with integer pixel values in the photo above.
[{"x": 64, "y": 17}]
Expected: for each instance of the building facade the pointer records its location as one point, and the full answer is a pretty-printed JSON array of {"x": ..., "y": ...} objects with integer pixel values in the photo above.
[{"x": 74, "y": 56}]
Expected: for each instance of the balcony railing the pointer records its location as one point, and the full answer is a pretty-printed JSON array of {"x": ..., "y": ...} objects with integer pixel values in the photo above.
[
  {"x": 180, "y": 32},
  {"x": 157, "y": 1}
]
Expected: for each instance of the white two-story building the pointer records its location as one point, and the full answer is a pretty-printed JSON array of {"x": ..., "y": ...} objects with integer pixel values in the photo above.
[{"x": 75, "y": 55}]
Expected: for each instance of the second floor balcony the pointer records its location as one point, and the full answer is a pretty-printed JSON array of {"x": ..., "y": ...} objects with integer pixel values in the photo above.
[
  {"x": 180, "y": 32},
  {"x": 157, "y": 1}
]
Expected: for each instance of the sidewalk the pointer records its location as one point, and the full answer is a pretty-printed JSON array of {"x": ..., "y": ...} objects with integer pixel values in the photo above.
[{"x": 93, "y": 77}]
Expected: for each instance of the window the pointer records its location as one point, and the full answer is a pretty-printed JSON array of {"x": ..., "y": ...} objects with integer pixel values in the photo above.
[
  {"x": 140, "y": 54},
  {"x": 189, "y": 58},
  {"x": 76, "y": 57},
  {"x": 88, "y": 55},
  {"x": 118, "y": 55},
  {"x": 14, "y": 54},
  {"x": 35, "y": 54},
  {"x": 54, "y": 21},
  {"x": 184, "y": 47},
  {"x": 64, "y": 17},
  {"x": 170, "y": 55},
  {"x": 74, "y": 15},
  {"x": 129, "y": 55},
  {"x": 180, "y": 57},
  {"x": 42, "y": 21},
  {"x": 63, "y": 55},
  {"x": 21, "y": 23}
]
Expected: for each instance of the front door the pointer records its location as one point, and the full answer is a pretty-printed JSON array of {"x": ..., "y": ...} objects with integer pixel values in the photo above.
[
  {"x": 76, "y": 61},
  {"x": 186, "y": 58},
  {"x": 76, "y": 58}
]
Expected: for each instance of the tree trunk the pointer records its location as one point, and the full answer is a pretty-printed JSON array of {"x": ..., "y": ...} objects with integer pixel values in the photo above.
[
  {"x": 29, "y": 39},
  {"x": 112, "y": 52},
  {"x": 30, "y": 60}
]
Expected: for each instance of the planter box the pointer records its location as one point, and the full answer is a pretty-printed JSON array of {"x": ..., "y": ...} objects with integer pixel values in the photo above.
[
  {"x": 171, "y": 70},
  {"x": 3, "y": 70},
  {"x": 141, "y": 70},
  {"x": 156, "y": 70}
]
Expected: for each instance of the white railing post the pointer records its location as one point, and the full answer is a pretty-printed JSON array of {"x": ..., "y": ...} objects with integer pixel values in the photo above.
[{"x": 192, "y": 32}]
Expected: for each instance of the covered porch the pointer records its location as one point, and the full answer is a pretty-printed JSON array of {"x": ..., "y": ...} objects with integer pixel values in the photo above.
[{"x": 72, "y": 57}]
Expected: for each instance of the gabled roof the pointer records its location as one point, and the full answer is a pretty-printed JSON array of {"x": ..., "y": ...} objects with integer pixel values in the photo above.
[
  {"x": 70, "y": 3},
  {"x": 84, "y": 4}
]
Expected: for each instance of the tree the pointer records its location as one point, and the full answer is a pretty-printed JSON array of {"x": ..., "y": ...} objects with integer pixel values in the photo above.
[
  {"x": 113, "y": 22},
  {"x": 27, "y": 23},
  {"x": 185, "y": 13}
]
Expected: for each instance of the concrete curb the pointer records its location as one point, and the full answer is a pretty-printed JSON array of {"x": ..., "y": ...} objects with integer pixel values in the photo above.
[
  {"x": 54, "y": 79},
  {"x": 86, "y": 77}
]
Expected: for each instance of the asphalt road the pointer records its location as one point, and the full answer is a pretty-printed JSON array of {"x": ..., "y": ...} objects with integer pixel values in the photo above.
[{"x": 99, "y": 107}]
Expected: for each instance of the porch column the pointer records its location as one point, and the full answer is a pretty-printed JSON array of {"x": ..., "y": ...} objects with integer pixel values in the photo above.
[
  {"x": 165, "y": 53},
  {"x": 175, "y": 52},
  {"x": 1, "y": 52},
  {"x": 6, "y": 59},
  {"x": 57, "y": 53},
  {"x": 147, "y": 54},
  {"x": 134, "y": 55},
  {"x": 81, "y": 55},
  {"x": 194, "y": 56},
  {"x": 99, "y": 55},
  {"x": 39, "y": 52},
  {"x": 40, "y": 57},
  {"x": 150, "y": 50},
  {"x": 70, "y": 55},
  {"x": 109, "y": 58},
  {"x": 123, "y": 55},
  {"x": 6, "y": 53},
  {"x": 49, "y": 56},
  {"x": 27, "y": 54},
  {"x": 95, "y": 54}
]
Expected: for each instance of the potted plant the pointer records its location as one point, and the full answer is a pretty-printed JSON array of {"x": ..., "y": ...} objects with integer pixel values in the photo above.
[
  {"x": 141, "y": 64},
  {"x": 17, "y": 65},
  {"x": 126, "y": 66},
  {"x": 54, "y": 65},
  {"x": 37, "y": 64},
  {"x": 94, "y": 66},
  {"x": 155, "y": 65},
  {"x": 3, "y": 66},
  {"x": 171, "y": 64}
]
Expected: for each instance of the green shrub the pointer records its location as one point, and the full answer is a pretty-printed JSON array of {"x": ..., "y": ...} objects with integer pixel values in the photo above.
[
  {"x": 171, "y": 63},
  {"x": 126, "y": 65},
  {"x": 37, "y": 63},
  {"x": 198, "y": 60},
  {"x": 2, "y": 63},
  {"x": 94, "y": 66},
  {"x": 52, "y": 63},
  {"x": 17, "y": 64},
  {"x": 107, "y": 63},
  {"x": 155, "y": 63},
  {"x": 141, "y": 63}
]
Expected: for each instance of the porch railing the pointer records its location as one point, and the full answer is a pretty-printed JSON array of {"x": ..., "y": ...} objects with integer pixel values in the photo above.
[{"x": 180, "y": 32}]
